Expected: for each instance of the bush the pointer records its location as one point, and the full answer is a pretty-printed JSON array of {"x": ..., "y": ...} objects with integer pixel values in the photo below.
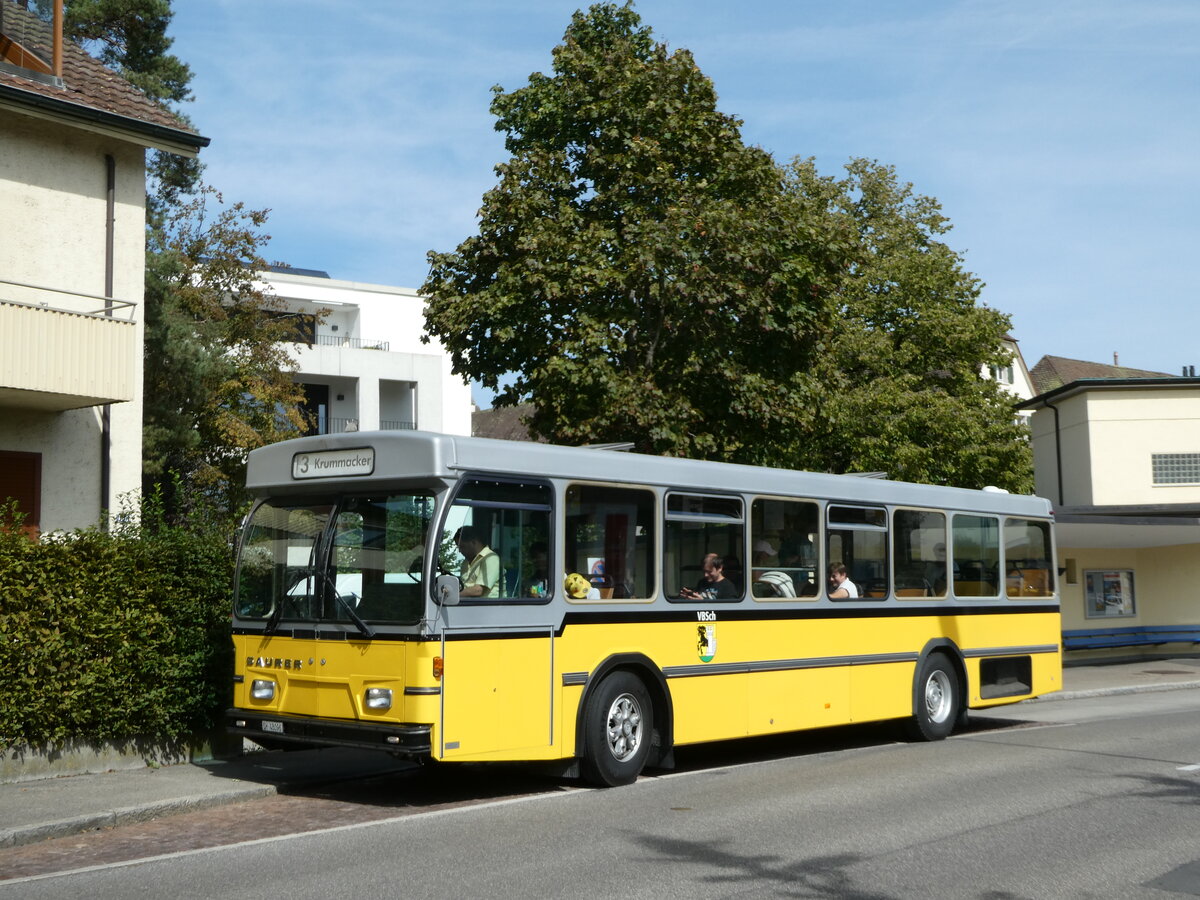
[{"x": 114, "y": 636}]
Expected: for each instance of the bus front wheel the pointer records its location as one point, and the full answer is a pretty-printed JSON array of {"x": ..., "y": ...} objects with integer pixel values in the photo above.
[
  {"x": 620, "y": 718},
  {"x": 937, "y": 700}
]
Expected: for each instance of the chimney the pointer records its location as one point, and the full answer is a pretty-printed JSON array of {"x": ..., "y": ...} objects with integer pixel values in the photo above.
[
  {"x": 1115, "y": 363},
  {"x": 58, "y": 38}
]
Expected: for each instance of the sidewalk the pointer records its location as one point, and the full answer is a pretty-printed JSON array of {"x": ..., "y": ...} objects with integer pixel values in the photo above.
[{"x": 32, "y": 811}]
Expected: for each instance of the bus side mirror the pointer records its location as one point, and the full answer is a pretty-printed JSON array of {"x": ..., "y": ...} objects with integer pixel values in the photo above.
[{"x": 446, "y": 590}]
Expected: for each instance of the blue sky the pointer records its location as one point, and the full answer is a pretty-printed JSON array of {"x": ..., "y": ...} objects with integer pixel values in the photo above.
[{"x": 1062, "y": 138}]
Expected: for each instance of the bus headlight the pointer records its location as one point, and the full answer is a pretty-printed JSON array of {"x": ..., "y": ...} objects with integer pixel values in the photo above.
[
  {"x": 379, "y": 698},
  {"x": 262, "y": 689}
]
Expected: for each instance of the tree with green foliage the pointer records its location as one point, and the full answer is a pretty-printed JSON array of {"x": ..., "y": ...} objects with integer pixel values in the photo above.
[
  {"x": 903, "y": 391},
  {"x": 638, "y": 270},
  {"x": 218, "y": 379},
  {"x": 641, "y": 275}
]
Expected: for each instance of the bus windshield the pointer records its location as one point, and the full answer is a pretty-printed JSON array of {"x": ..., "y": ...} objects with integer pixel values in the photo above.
[{"x": 359, "y": 560}]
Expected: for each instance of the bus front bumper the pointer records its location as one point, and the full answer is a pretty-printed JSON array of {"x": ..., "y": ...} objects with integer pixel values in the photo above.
[{"x": 412, "y": 740}]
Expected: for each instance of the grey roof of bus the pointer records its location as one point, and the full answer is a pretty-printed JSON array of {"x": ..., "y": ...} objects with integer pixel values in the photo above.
[{"x": 413, "y": 453}]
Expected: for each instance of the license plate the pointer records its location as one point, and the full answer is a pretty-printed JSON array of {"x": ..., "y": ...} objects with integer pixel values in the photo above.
[{"x": 274, "y": 727}]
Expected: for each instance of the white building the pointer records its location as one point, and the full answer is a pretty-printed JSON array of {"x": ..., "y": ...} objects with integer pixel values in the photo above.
[
  {"x": 1013, "y": 378},
  {"x": 73, "y": 137},
  {"x": 364, "y": 366}
]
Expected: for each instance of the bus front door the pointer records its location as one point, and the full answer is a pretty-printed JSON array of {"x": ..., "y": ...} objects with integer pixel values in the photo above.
[{"x": 497, "y": 694}]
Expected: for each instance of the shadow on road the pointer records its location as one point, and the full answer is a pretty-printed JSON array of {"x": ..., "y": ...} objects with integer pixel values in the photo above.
[{"x": 378, "y": 780}]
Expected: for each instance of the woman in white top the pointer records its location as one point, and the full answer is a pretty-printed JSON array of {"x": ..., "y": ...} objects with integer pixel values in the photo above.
[{"x": 840, "y": 585}]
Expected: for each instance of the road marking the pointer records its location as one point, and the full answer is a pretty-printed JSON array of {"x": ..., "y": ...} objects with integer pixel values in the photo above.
[{"x": 1188, "y": 768}]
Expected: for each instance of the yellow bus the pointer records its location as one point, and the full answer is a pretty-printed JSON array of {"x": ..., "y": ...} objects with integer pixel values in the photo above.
[{"x": 461, "y": 599}]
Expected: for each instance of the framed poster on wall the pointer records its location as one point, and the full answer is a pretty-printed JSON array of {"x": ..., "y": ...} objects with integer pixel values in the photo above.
[{"x": 1109, "y": 593}]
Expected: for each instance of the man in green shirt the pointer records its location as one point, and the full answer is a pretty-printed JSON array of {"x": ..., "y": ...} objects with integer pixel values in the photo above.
[{"x": 481, "y": 565}]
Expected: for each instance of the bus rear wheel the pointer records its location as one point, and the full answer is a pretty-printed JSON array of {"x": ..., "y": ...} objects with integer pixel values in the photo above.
[
  {"x": 938, "y": 704},
  {"x": 619, "y": 721}
]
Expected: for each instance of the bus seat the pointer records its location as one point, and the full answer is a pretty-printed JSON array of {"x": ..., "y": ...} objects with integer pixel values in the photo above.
[{"x": 774, "y": 584}]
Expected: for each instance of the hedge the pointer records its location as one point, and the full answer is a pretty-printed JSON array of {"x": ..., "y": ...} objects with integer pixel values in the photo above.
[{"x": 113, "y": 636}]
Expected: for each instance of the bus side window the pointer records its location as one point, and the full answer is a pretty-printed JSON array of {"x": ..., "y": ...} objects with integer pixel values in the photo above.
[
  {"x": 976, "y": 556},
  {"x": 858, "y": 539},
  {"x": 610, "y": 539},
  {"x": 1028, "y": 572},
  {"x": 505, "y": 526},
  {"x": 919, "y": 553},
  {"x": 698, "y": 529},
  {"x": 783, "y": 549}
]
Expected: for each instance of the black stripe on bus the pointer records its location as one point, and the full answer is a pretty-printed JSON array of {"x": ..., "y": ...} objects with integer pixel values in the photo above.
[
  {"x": 758, "y": 614},
  {"x": 640, "y": 615},
  {"x": 817, "y": 662}
]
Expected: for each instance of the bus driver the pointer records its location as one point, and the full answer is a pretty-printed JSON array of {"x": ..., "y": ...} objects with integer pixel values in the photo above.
[{"x": 481, "y": 565}]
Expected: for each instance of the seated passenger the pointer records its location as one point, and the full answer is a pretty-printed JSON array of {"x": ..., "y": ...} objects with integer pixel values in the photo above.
[
  {"x": 840, "y": 585},
  {"x": 714, "y": 585}
]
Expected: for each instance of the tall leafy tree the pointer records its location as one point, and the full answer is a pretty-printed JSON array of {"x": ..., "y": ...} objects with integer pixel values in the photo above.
[
  {"x": 218, "y": 379},
  {"x": 638, "y": 275},
  {"x": 904, "y": 392}
]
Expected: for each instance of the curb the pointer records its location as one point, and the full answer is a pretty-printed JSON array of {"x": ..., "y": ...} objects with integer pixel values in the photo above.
[
  {"x": 126, "y": 815},
  {"x": 1112, "y": 691}
]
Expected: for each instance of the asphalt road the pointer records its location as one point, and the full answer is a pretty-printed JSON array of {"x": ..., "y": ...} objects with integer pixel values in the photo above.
[{"x": 1086, "y": 798}]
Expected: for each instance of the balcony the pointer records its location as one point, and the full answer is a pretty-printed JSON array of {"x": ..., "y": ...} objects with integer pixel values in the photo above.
[
  {"x": 339, "y": 425},
  {"x": 63, "y": 350},
  {"x": 351, "y": 343}
]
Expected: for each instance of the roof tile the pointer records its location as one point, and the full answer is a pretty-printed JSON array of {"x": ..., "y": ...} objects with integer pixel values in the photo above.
[{"x": 86, "y": 82}]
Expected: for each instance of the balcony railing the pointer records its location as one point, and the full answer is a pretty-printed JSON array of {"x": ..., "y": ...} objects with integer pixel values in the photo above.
[
  {"x": 338, "y": 425},
  {"x": 335, "y": 340},
  {"x": 64, "y": 350},
  {"x": 42, "y": 297}
]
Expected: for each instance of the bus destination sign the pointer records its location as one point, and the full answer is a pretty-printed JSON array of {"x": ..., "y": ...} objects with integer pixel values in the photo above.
[{"x": 334, "y": 463}]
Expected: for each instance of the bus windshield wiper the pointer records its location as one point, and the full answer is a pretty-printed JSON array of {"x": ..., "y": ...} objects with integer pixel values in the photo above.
[
  {"x": 277, "y": 612},
  {"x": 362, "y": 626},
  {"x": 273, "y": 620}
]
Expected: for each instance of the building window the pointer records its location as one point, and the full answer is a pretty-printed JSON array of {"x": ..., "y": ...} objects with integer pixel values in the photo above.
[
  {"x": 1175, "y": 468},
  {"x": 1003, "y": 374}
]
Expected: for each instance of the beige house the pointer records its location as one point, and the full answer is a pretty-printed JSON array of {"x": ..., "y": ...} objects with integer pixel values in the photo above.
[
  {"x": 73, "y": 137},
  {"x": 1117, "y": 451}
]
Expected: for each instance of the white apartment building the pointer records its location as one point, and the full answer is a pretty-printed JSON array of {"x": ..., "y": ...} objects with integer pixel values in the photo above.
[
  {"x": 364, "y": 366},
  {"x": 73, "y": 139}
]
